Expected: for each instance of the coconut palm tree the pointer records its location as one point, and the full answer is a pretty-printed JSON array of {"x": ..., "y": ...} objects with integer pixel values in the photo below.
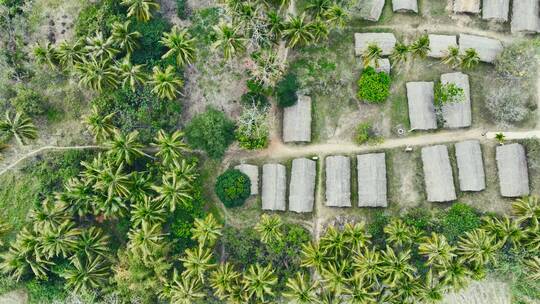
[
  {"x": 361, "y": 291},
  {"x": 451, "y": 57},
  {"x": 145, "y": 240},
  {"x": 69, "y": 54},
  {"x": 141, "y": 9},
  {"x": 527, "y": 209},
  {"x": 59, "y": 241},
  {"x": 269, "y": 228},
  {"x": 141, "y": 186},
  {"x": 400, "y": 234},
  {"x": 113, "y": 181},
  {"x": 96, "y": 74},
  {"x": 368, "y": 264},
  {"x": 297, "y": 31},
  {"x": 77, "y": 196},
  {"x": 312, "y": 256},
  {"x": 319, "y": 30},
  {"x": 396, "y": 266},
  {"x": 147, "y": 210},
  {"x": 18, "y": 126},
  {"x": 258, "y": 282},
  {"x": 183, "y": 169},
  {"x": 184, "y": 290},
  {"x": 86, "y": 274},
  {"x": 335, "y": 277},
  {"x": 100, "y": 48},
  {"x": 276, "y": 24},
  {"x": 170, "y": 146},
  {"x": 500, "y": 137},
  {"x": 371, "y": 54},
  {"x": 180, "y": 44},
  {"x": 48, "y": 215},
  {"x": 197, "y": 261},
  {"x": 533, "y": 265},
  {"x": 532, "y": 238},
  {"x": 456, "y": 275},
  {"x": 124, "y": 148},
  {"x": 228, "y": 40},
  {"x": 438, "y": 251},
  {"x": 109, "y": 208},
  {"x": 357, "y": 236},
  {"x": 173, "y": 191},
  {"x": 131, "y": 76},
  {"x": 166, "y": 84},
  {"x": 469, "y": 59},
  {"x": 301, "y": 290},
  {"x": 336, "y": 16},
  {"x": 45, "y": 54},
  {"x": 334, "y": 243},
  {"x": 101, "y": 126},
  {"x": 317, "y": 8},
  {"x": 92, "y": 242},
  {"x": 224, "y": 279},
  {"x": 410, "y": 290},
  {"x": 505, "y": 230},
  {"x": 400, "y": 53},
  {"x": 122, "y": 37},
  {"x": 206, "y": 231},
  {"x": 4, "y": 229},
  {"x": 433, "y": 288},
  {"x": 478, "y": 247},
  {"x": 420, "y": 47}
]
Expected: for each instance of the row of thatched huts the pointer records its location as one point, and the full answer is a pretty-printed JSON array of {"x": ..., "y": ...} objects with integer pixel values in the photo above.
[{"x": 372, "y": 9}]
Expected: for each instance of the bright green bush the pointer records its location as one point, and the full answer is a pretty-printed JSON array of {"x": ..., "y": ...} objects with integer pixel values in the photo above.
[
  {"x": 98, "y": 17},
  {"x": 28, "y": 101},
  {"x": 458, "y": 220},
  {"x": 363, "y": 133},
  {"x": 211, "y": 131},
  {"x": 149, "y": 49},
  {"x": 233, "y": 188},
  {"x": 286, "y": 90},
  {"x": 373, "y": 87}
]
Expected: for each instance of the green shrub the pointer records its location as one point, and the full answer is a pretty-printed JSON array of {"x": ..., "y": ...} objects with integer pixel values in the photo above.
[
  {"x": 286, "y": 90},
  {"x": 254, "y": 99},
  {"x": 202, "y": 23},
  {"x": 233, "y": 188},
  {"x": 363, "y": 132},
  {"x": 182, "y": 9},
  {"x": 98, "y": 17},
  {"x": 459, "y": 219},
  {"x": 448, "y": 93},
  {"x": 373, "y": 87},
  {"x": 28, "y": 101},
  {"x": 45, "y": 291},
  {"x": 376, "y": 227},
  {"x": 253, "y": 132},
  {"x": 150, "y": 50},
  {"x": 211, "y": 131}
]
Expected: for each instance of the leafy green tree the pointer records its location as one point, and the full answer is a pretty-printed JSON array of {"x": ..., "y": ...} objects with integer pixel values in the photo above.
[
  {"x": 301, "y": 290},
  {"x": 286, "y": 90},
  {"x": 197, "y": 261},
  {"x": 96, "y": 74},
  {"x": 206, "y": 231},
  {"x": 210, "y": 131},
  {"x": 269, "y": 228},
  {"x": 170, "y": 146},
  {"x": 147, "y": 210},
  {"x": 101, "y": 126},
  {"x": 131, "y": 76},
  {"x": 122, "y": 37},
  {"x": 166, "y": 84},
  {"x": 86, "y": 274},
  {"x": 259, "y": 281},
  {"x": 297, "y": 31},
  {"x": 233, "y": 188},
  {"x": 420, "y": 47},
  {"x": 100, "y": 48},
  {"x": 228, "y": 40},
  {"x": 140, "y": 9},
  {"x": 224, "y": 280},
  {"x": 173, "y": 191},
  {"x": 469, "y": 59},
  {"x": 373, "y": 87},
  {"x": 458, "y": 220},
  {"x": 124, "y": 148},
  {"x": 180, "y": 45},
  {"x": 19, "y": 127}
]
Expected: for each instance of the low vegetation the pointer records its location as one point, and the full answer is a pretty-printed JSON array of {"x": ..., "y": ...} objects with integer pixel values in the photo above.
[{"x": 373, "y": 87}]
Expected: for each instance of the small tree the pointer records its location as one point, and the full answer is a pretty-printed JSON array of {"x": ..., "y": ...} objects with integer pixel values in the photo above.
[
  {"x": 252, "y": 132},
  {"x": 233, "y": 188},
  {"x": 420, "y": 47},
  {"x": 469, "y": 59},
  {"x": 448, "y": 93},
  {"x": 211, "y": 131},
  {"x": 286, "y": 91},
  {"x": 373, "y": 87},
  {"x": 451, "y": 57},
  {"x": 500, "y": 137}
]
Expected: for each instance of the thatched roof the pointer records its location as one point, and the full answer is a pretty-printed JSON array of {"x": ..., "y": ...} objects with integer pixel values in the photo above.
[
  {"x": 420, "y": 96},
  {"x": 405, "y": 6},
  {"x": 513, "y": 174},
  {"x": 274, "y": 187},
  {"x": 371, "y": 180},
  {"x": 297, "y": 121},
  {"x": 457, "y": 114},
  {"x": 386, "y": 41},
  {"x": 470, "y": 165},
  {"x": 439, "y": 45},
  {"x": 302, "y": 187},
  {"x": 525, "y": 16},
  {"x": 438, "y": 174},
  {"x": 370, "y": 9},
  {"x": 384, "y": 66},
  {"x": 495, "y": 10},
  {"x": 487, "y": 48},
  {"x": 338, "y": 181},
  {"x": 467, "y": 6},
  {"x": 253, "y": 173}
]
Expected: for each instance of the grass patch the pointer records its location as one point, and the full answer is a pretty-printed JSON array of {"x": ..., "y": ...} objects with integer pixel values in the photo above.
[{"x": 18, "y": 194}]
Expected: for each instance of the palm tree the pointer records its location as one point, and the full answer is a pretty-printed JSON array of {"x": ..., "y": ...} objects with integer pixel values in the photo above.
[
  {"x": 301, "y": 290},
  {"x": 400, "y": 53},
  {"x": 49, "y": 214},
  {"x": 45, "y": 54},
  {"x": 4, "y": 229},
  {"x": 183, "y": 169},
  {"x": 92, "y": 242},
  {"x": 356, "y": 235},
  {"x": 269, "y": 228},
  {"x": 319, "y": 30},
  {"x": 147, "y": 210},
  {"x": 506, "y": 230},
  {"x": 336, "y": 16},
  {"x": 533, "y": 265},
  {"x": 184, "y": 290},
  {"x": 113, "y": 181},
  {"x": 433, "y": 288},
  {"x": 206, "y": 231},
  {"x": 180, "y": 45},
  {"x": 317, "y": 8},
  {"x": 69, "y": 54},
  {"x": 297, "y": 31},
  {"x": 437, "y": 250},
  {"x": 420, "y": 47},
  {"x": 397, "y": 267},
  {"x": 109, "y": 207},
  {"x": 224, "y": 280},
  {"x": 371, "y": 54},
  {"x": 334, "y": 242},
  {"x": 335, "y": 278},
  {"x": 166, "y": 84},
  {"x": 400, "y": 234},
  {"x": 141, "y": 9},
  {"x": 275, "y": 24},
  {"x": 361, "y": 291},
  {"x": 258, "y": 281},
  {"x": 59, "y": 241},
  {"x": 86, "y": 274},
  {"x": 123, "y": 38},
  {"x": 18, "y": 126},
  {"x": 101, "y": 126},
  {"x": 368, "y": 264},
  {"x": 456, "y": 274},
  {"x": 96, "y": 74},
  {"x": 312, "y": 256},
  {"x": 124, "y": 148},
  {"x": 131, "y": 76},
  {"x": 451, "y": 57},
  {"x": 228, "y": 40},
  {"x": 100, "y": 48},
  {"x": 532, "y": 238},
  {"x": 197, "y": 261},
  {"x": 145, "y": 240},
  {"x": 527, "y": 209},
  {"x": 141, "y": 186},
  {"x": 77, "y": 195},
  {"x": 478, "y": 247},
  {"x": 500, "y": 137},
  {"x": 469, "y": 59},
  {"x": 173, "y": 191},
  {"x": 170, "y": 146}
]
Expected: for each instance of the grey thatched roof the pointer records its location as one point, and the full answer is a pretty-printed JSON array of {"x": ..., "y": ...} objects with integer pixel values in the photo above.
[
  {"x": 487, "y": 48},
  {"x": 470, "y": 165},
  {"x": 467, "y": 6},
  {"x": 274, "y": 187},
  {"x": 405, "y": 6},
  {"x": 439, "y": 44},
  {"x": 297, "y": 121},
  {"x": 386, "y": 41},
  {"x": 525, "y": 16},
  {"x": 495, "y": 10},
  {"x": 421, "y": 108},
  {"x": 371, "y": 180},
  {"x": 513, "y": 173},
  {"x": 384, "y": 66},
  {"x": 457, "y": 114},
  {"x": 438, "y": 174},
  {"x": 338, "y": 181},
  {"x": 253, "y": 173},
  {"x": 302, "y": 187},
  {"x": 370, "y": 9}
]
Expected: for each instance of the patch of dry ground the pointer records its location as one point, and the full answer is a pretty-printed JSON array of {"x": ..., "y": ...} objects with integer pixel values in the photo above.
[
  {"x": 481, "y": 292},
  {"x": 14, "y": 297}
]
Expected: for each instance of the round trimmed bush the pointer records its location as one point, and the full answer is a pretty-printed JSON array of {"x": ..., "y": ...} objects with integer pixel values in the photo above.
[
  {"x": 373, "y": 87},
  {"x": 233, "y": 188}
]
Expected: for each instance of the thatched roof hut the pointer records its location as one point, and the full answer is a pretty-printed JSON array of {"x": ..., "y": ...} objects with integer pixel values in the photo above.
[
  {"x": 470, "y": 165},
  {"x": 297, "y": 121},
  {"x": 525, "y": 16},
  {"x": 371, "y": 180},
  {"x": 405, "y": 6},
  {"x": 252, "y": 172},
  {"x": 438, "y": 174},
  {"x": 383, "y": 66},
  {"x": 512, "y": 167},
  {"x": 467, "y": 6},
  {"x": 338, "y": 181},
  {"x": 370, "y": 9},
  {"x": 302, "y": 187},
  {"x": 487, "y": 48},
  {"x": 386, "y": 41},
  {"x": 274, "y": 186},
  {"x": 457, "y": 114},
  {"x": 439, "y": 44},
  {"x": 420, "y": 97},
  {"x": 495, "y": 10}
]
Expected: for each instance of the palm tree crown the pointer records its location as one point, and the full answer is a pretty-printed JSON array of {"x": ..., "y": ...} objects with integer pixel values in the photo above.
[
  {"x": 18, "y": 126},
  {"x": 180, "y": 45}
]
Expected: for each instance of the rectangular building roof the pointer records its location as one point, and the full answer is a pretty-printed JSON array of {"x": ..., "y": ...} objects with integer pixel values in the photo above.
[
  {"x": 438, "y": 175},
  {"x": 372, "y": 188},
  {"x": 525, "y": 16},
  {"x": 488, "y": 48},
  {"x": 274, "y": 187},
  {"x": 302, "y": 186},
  {"x": 467, "y": 6},
  {"x": 297, "y": 121},
  {"x": 405, "y": 6},
  {"x": 420, "y": 97},
  {"x": 370, "y": 9},
  {"x": 495, "y": 10},
  {"x": 470, "y": 165},
  {"x": 513, "y": 172},
  {"x": 457, "y": 114},
  {"x": 338, "y": 181},
  {"x": 439, "y": 44}
]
